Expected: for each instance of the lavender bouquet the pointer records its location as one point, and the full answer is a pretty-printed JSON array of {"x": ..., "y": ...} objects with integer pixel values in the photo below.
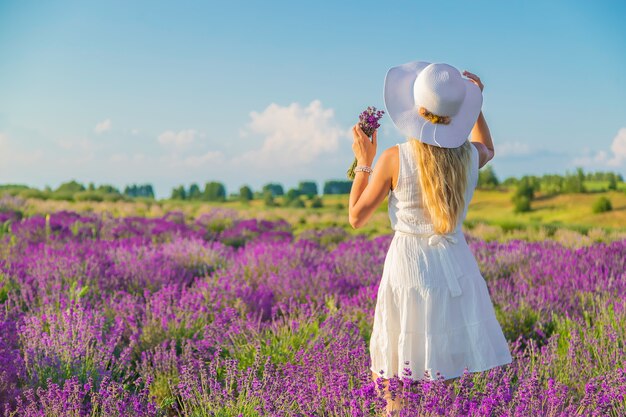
[{"x": 368, "y": 120}]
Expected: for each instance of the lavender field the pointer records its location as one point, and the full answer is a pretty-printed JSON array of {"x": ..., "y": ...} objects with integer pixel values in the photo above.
[{"x": 223, "y": 316}]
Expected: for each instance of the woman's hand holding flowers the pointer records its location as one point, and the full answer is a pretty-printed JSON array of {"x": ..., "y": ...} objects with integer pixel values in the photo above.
[{"x": 363, "y": 149}]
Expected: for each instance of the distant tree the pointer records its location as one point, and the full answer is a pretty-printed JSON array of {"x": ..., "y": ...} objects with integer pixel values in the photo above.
[
  {"x": 70, "y": 187},
  {"x": 602, "y": 205},
  {"x": 194, "y": 192},
  {"x": 521, "y": 204},
  {"x": 275, "y": 189},
  {"x": 146, "y": 190},
  {"x": 135, "y": 190},
  {"x": 317, "y": 202},
  {"x": 510, "y": 182},
  {"x": 179, "y": 193},
  {"x": 574, "y": 183},
  {"x": 581, "y": 178},
  {"x": 107, "y": 189},
  {"x": 245, "y": 194},
  {"x": 268, "y": 198},
  {"x": 130, "y": 190},
  {"x": 292, "y": 194},
  {"x": 552, "y": 184},
  {"x": 524, "y": 193},
  {"x": 308, "y": 188},
  {"x": 91, "y": 187},
  {"x": 612, "y": 181},
  {"x": 214, "y": 191},
  {"x": 487, "y": 178},
  {"x": 337, "y": 187}
]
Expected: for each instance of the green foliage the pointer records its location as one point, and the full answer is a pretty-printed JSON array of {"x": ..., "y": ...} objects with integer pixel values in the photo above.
[
  {"x": 308, "y": 188},
  {"x": 577, "y": 182},
  {"x": 245, "y": 194},
  {"x": 552, "y": 184},
  {"x": 604, "y": 176},
  {"x": 510, "y": 181},
  {"x": 521, "y": 204},
  {"x": 107, "y": 189},
  {"x": 89, "y": 196},
  {"x": 179, "y": 193},
  {"x": 13, "y": 188},
  {"x": 34, "y": 193},
  {"x": 599, "y": 331},
  {"x": 297, "y": 203},
  {"x": 524, "y": 193},
  {"x": 291, "y": 195},
  {"x": 268, "y": 199},
  {"x": 194, "y": 192},
  {"x": 214, "y": 191},
  {"x": 601, "y": 205},
  {"x": 337, "y": 187},
  {"x": 69, "y": 188},
  {"x": 144, "y": 190},
  {"x": 275, "y": 189},
  {"x": 612, "y": 182},
  {"x": 317, "y": 202},
  {"x": 524, "y": 321},
  {"x": 574, "y": 183},
  {"x": 281, "y": 342},
  {"x": 487, "y": 178}
]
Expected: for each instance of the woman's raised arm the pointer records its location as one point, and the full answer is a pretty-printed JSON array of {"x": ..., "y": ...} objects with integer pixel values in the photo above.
[
  {"x": 481, "y": 137},
  {"x": 366, "y": 196}
]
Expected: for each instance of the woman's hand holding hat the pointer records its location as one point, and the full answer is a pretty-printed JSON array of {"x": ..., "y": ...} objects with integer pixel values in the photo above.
[
  {"x": 363, "y": 149},
  {"x": 474, "y": 78}
]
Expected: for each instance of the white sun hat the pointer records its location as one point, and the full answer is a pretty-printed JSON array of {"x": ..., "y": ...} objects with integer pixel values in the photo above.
[{"x": 440, "y": 90}]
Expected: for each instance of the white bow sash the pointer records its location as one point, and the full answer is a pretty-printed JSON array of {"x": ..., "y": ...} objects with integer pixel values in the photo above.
[{"x": 451, "y": 269}]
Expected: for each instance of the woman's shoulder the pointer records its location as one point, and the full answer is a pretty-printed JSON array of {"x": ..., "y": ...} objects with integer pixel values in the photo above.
[
  {"x": 391, "y": 154},
  {"x": 388, "y": 162}
]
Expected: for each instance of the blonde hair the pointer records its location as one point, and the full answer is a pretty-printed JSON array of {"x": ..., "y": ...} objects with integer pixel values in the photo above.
[{"x": 443, "y": 178}]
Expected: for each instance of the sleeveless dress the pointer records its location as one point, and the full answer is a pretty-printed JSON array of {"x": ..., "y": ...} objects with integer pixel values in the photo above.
[{"x": 433, "y": 309}]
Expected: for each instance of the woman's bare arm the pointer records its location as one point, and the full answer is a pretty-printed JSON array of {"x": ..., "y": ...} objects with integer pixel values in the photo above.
[
  {"x": 366, "y": 196},
  {"x": 481, "y": 137}
]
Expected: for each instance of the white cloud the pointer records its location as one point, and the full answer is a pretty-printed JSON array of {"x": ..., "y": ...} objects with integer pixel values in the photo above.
[
  {"x": 291, "y": 135},
  {"x": 178, "y": 139},
  {"x": 103, "y": 126},
  {"x": 602, "y": 157},
  {"x": 201, "y": 160},
  {"x": 134, "y": 132}
]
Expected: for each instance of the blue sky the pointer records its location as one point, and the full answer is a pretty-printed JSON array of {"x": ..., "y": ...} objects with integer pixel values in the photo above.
[{"x": 248, "y": 92}]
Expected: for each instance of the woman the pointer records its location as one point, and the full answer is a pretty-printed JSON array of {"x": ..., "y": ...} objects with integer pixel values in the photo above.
[{"x": 433, "y": 309}]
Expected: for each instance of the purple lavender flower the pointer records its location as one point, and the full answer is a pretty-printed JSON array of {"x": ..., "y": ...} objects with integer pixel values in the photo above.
[
  {"x": 232, "y": 315},
  {"x": 368, "y": 120}
]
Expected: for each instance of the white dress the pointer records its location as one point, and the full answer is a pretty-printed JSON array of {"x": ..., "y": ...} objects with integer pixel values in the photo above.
[{"x": 433, "y": 309}]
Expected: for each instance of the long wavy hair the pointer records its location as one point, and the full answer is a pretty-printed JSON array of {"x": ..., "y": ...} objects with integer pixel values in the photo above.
[{"x": 443, "y": 178}]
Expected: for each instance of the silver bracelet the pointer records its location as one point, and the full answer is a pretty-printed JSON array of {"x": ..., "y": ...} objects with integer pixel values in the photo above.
[{"x": 363, "y": 168}]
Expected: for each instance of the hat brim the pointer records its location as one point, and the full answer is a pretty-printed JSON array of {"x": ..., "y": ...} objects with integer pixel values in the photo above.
[{"x": 400, "y": 104}]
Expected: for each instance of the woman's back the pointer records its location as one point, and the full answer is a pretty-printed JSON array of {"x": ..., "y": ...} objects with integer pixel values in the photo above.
[{"x": 406, "y": 209}]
